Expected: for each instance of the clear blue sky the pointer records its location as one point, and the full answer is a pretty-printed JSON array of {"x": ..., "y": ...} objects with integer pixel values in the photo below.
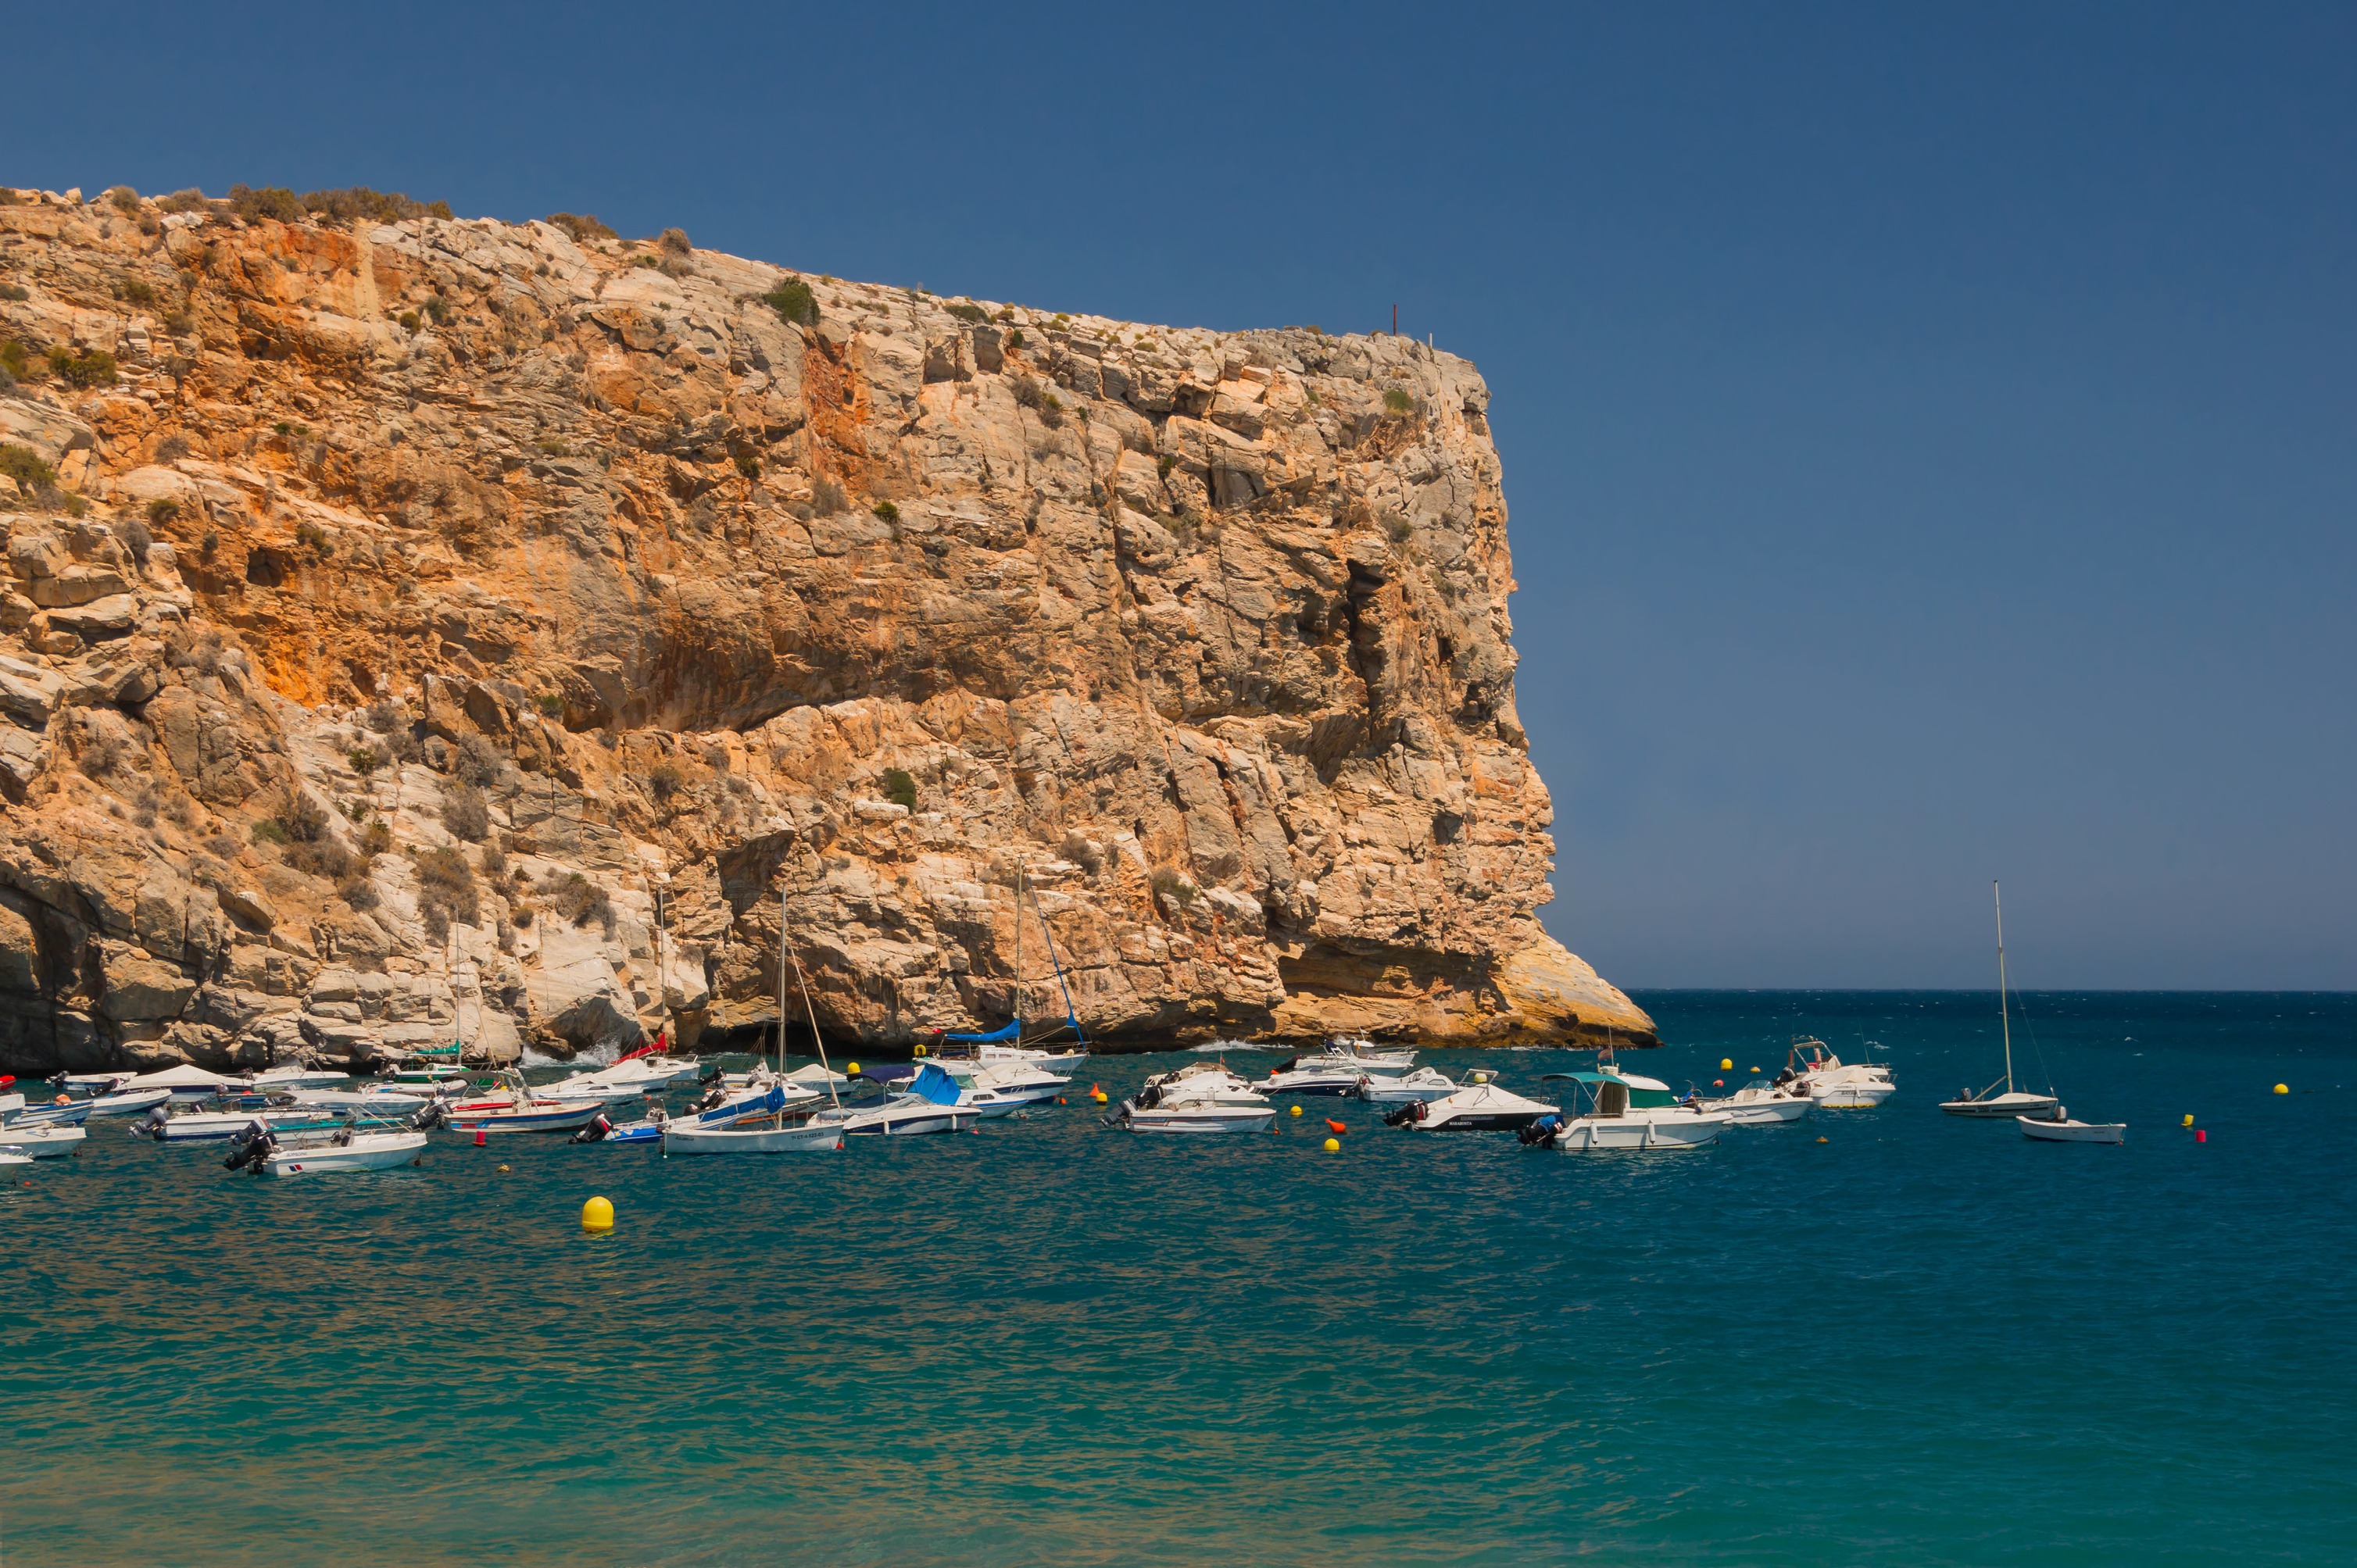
[{"x": 1929, "y": 430}]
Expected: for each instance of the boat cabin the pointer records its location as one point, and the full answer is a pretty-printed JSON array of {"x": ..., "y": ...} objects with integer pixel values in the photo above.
[{"x": 1612, "y": 1093}]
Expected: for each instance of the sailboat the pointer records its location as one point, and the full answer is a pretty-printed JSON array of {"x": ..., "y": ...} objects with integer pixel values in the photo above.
[
  {"x": 1991, "y": 1101},
  {"x": 781, "y": 1124},
  {"x": 1005, "y": 1044}
]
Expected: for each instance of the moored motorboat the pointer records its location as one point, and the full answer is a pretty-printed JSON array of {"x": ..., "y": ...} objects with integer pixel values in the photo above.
[
  {"x": 515, "y": 1107},
  {"x": 784, "y": 1136},
  {"x": 1833, "y": 1083},
  {"x": 41, "y": 1141},
  {"x": 1336, "y": 1068},
  {"x": 1761, "y": 1101},
  {"x": 1481, "y": 1106},
  {"x": 1624, "y": 1111},
  {"x": 60, "y": 1111},
  {"x": 348, "y": 1150},
  {"x": 930, "y": 1104},
  {"x": 132, "y": 1102},
  {"x": 1202, "y": 1097},
  {"x": 292, "y": 1077},
  {"x": 190, "y": 1085},
  {"x": 2057, "y": 1128},
  {"x": 1422, "y": 1083}
]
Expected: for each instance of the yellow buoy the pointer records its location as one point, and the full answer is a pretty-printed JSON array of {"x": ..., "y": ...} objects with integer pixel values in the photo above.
[
  {"x": 596, "y": 1215},
  {"x": 1822, "y": 1140},
  {"x": 1726, "y": 1064},
  {"x": 853, "y": 1068},
  {"x": 504, "y": 1170},
  {"x": 1333, "y": 1145},
  {"x": 1755, "y": 1069},
  {"x": 2283, "y": 1088},
  {"x": 1297, "y": 1111},
  {"x": 2189, "y": 1119}
]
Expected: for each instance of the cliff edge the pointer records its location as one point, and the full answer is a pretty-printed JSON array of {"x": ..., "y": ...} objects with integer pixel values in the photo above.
[{"x": 413, "y": 626}]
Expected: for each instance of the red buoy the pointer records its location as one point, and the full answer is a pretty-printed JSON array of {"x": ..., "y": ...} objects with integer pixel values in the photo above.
[
  {"x": 2201, "y": 1134},
  {"x": 478, "y": 1137},
  {"x": 1336, "y": 1125}
]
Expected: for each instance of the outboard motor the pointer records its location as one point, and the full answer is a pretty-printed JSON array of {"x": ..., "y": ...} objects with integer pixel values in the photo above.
[
  {"x": 1406, "y": 1115},
  {"x": 595, "y": 1129},
  {"x": 157, "y": 1116},
  {"x": 715, "y": 1076},
  {"x": 432, "y": 1114},
  {"x": 250, "y": 1147},
  {"x": 1542, "y": 1131}
]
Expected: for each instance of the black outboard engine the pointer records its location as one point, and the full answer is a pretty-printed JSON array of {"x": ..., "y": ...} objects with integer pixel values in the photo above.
[
  {"x": 1541, "y": 1131},
  {"x": 1406, "y": 1115},
  {"x": 715, "y": 1076},
  {"x": 250, "y": 1147},
  {"x": 157, "y": 1116},
  {"x": 432, "y": 1114},
  {"x": 593, "y": 1130}
]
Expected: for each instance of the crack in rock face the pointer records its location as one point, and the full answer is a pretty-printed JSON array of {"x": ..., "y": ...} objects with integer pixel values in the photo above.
[{"x": 416, "y": 630}]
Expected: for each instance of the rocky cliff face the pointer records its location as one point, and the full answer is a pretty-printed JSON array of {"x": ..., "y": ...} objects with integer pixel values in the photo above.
[{"x": 413, "y": 626}]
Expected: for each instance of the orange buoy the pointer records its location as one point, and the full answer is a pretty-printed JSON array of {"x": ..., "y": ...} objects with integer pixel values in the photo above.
[{"x": 1338, "y": 1126}]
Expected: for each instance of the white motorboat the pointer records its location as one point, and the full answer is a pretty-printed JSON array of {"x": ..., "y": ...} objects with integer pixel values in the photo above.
[
  {"x": 1422, "y": 1083},
  {"x": 1202, "y": 1097},
  {"x": 930, "y": 1104},
  {"x": 515, "y": 1107},
  {"x": 784, "y": 1138},
  {"x": 1003, "y": 1088},
  {"x": 300, "y": 1078},
  {"x": 1481, "y": 1106},
  {"x": 92, "y": 1085},
  {"x": 348, "y": 1150},
  {"x": 370, "y": 1100},
  {"x": 194, "y": 1126},
  {"x": 639, "y": 1073},
  {"x": 1833, "y": 1083},
  {"x": 1761, "y": 1101},
  {"x": 135, "y": 1102},
  {"x": 60, "y": 1111},
  {"x": 41, "y": 1141},
  {"x": 1336, "y": 1068},
  {"x": 190, "y": 1085},
  {"x": 2007, "y": 1100},
  {"x": 1624, "y": 1111},
  {"x": 2058, "y": 1128}
]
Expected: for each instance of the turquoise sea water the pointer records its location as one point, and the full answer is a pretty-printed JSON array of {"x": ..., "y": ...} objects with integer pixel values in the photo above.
[{"x": 1922, "y": 1340}]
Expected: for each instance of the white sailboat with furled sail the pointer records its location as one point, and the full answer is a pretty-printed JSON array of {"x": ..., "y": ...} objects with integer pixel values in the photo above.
[
  {"x": 2001, "y": 1098},
  {"x": 1006, "y": 1043},
  {"x": 784, "y": 1120}
]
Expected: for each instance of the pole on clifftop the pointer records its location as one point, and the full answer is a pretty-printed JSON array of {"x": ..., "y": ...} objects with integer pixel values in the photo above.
[{"x": 1394, "y": 321}]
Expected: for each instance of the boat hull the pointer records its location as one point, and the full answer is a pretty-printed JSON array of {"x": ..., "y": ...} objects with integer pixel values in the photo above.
[
  {"x": 1996, "y": 1107},
  {"x": 368, "y": 1151},
  {"x": 217, "y": 1126},
  {"x": 1204, "y": 1119},
  {"x": 558, "y": 1119},
  {"x": 1481, "y": 1122},
  {"x": 1762, "y": 1112},
  {"x": 809, "y": 1138},
  {"x": 137, "y": 1104},
  {"x": 41, "y": 1142},
  {"x": 1593, "y": 1135},
  {"x": 1854, "y": 1096},
  {"x": 71, "y": 1114},
  {"x": 2046, "y": 1132}
]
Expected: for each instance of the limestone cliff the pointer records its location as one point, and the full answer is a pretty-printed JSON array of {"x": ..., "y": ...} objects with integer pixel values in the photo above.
[{"x": 413, "y": 624}]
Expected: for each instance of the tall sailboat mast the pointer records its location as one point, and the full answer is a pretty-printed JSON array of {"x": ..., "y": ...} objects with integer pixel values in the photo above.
[
  {"x": 1019, "y": 873},
  {"x": 2005, "y": 1023}
]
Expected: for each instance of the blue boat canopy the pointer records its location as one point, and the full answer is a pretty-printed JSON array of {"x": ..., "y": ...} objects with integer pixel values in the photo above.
[{"x": 932, "y": 1083}]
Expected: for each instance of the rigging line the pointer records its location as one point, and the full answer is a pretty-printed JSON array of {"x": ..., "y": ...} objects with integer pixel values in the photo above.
[{"x": 1072, "y": 1018}]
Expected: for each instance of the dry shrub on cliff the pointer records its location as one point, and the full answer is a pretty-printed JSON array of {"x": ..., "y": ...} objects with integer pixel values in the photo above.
[
  {"x": 24, "y": 465},
  {"x": 189, "y": 200},
  {"x": 674, "y": 242},
  {"x": 323, "y": 858},
  {"x": 273, "y": 201},
  {"x": 478, "y": 761},
  {"x": 1173, "y": 886},
  {"x": 95, "y": 368},
  {"x": 827, "y": 498},
  {"x": 357, "y": 892},
  {"x": 125, "y": 200},
  {"x": 666, "y": 779},
  {"x": 465, "y": 813},
  {"x": 579, "y": 899},
  {"x": 445, "y": 891},
  {"x": 583, "y": 227},
  {"x": 900, "y": 788}
]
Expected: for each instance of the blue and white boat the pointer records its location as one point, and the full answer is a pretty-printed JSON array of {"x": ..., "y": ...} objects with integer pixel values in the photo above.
[{"x": 930, "y": 1104}]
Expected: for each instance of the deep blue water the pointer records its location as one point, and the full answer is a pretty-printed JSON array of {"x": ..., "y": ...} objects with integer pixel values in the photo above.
[{"x": 1919, "y": 1340}]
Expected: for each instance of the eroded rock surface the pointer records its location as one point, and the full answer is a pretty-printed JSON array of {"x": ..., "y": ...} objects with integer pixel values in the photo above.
[{"x": 439, "y": 627}]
